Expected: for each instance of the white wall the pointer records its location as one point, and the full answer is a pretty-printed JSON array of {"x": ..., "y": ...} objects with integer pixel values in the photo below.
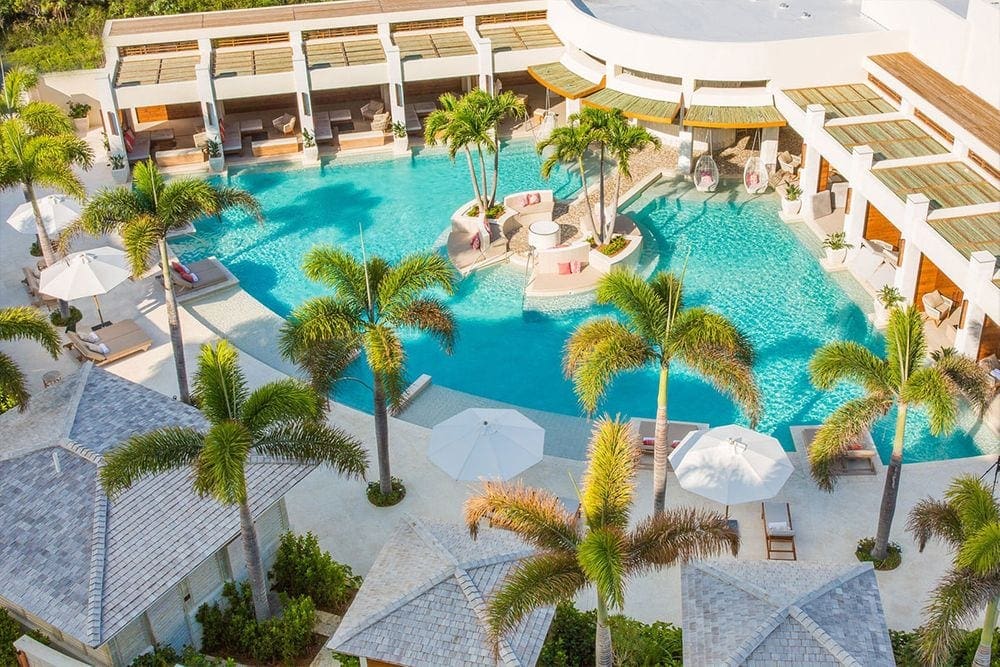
[
  {"x": 981, "y": 73},
  {"x": 77, "y": 85}
]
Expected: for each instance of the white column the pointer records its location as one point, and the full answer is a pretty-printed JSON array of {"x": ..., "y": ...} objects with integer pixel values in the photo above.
[
  {"x": 484, "y": 51},
  {"x": 685, "y": 151},
  {"x": 980, "y": 274},
  {"x": 687, "y": 90},
  {"x": 303, "y": 88},
  {"x": 572, "y": 107},
  {"x": 769, "y": 147},
  {"x": 914, "y": 214},
  {"x": 854, "y": 221},
  {"x": 959, "y": 150},
  {"x": 109, "y": 114},
  {"x": 206, "y": 89},
  {"x": 809, "y": 174},
  {"x": 394, "y": 68}
]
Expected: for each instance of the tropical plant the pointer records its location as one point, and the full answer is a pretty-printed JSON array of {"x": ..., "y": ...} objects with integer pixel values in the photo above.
[
  {"x": 597, "y": 550},
  {"x": 281, "y": 419},
  {"x": 836, "y": 241},
  {"x": 569, "y": 144},
  {"x": 308, "y": 139},
  {"x": 793, "y": 192},
  {"x": 657, "y": 329},
  {"x": 78, "y": 109},
  {"x": 23, "y": 323},
  {"x": 902, "y": 378},
  {"x": 302, "y": 568},
  {"x": 371, "y": 302},
  {"x": 623, "y": 141},
  {"x": 39, "y": 117},
  {"x": 213, "y": 148},
  {"x": 116, "y": 160},
  {"x": 889, "y": 297},
  {"x": 967, "y": 520},
  {"x": 29, "y": 159},
  {"x": 473, "y": 122},
  {"x": 398, "y": 129},
  {"x": 144, "y": 214}
]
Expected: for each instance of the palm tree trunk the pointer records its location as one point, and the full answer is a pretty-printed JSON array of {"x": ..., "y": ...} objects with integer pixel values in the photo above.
[
  {"x": 482, "y": 172},
  {"x": 475, "y": 178},
  {"x": 496, "y": 171},
  {"x": 985, "y": 648},
  {"x": 382, "y": 438},
  {"x": 600, "y": 199},
  {"x": 891, "y": 490},
  {"x": 586, "y": 199},
  {"x": 44, "y": 242},
  {"x": 174, "y": 323},
  {"x": 660, "y": 444},
  {"x": 255, "y": 568},
  {"x": 602, "y": 641}
]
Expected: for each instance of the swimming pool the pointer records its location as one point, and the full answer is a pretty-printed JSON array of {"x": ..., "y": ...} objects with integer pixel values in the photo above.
[{"x": 741, "y": 260}]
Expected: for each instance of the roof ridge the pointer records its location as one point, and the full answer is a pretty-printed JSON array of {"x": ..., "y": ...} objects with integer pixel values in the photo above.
[
  {"x": 853, "y": 573},
  {"x": 98, "y": 561},
  {"x": 431, "y": 540},
  {"x": 478, "y": 602},
  {"x": 741, "y": 654},
  {"x": 82, "y": 452},
  {"x": 822, "y": 638},
  {"x": 74, "y": 403}
]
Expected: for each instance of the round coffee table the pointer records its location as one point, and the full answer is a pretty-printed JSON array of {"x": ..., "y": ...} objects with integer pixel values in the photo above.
[{"x": 543, "y": 234}]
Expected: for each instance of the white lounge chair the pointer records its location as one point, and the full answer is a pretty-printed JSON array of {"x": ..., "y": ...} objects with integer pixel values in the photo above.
[
  {"x": 285, "y": 123},
  {"x": 937, "y": 306},
  {"x": 369, "y": 110},
  {"x": 788, "y": 162},
  {"x": 779, "y": 535}
]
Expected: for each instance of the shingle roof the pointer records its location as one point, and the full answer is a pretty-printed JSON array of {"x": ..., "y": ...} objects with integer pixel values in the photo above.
[
  {"x": 82, "y": 564},
  {"x": 783, "y": 613},
  {"x": 424, "y": 600}
]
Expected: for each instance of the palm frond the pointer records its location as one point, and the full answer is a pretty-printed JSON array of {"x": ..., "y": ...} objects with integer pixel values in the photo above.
[
  {"x": 534, "y": 514},
  {"x": 279, "y": 401},
  {"x": 312, "y": 442},
  {"x": 220, "y": 469},
  {"x": 636, "y": 299},
  {"x": 980, "y": 552},
  {"x": 13, "y": 383},
  {"x": 340, "y": 271},
  {"x": 109, "y": 209},
  {"x": 220, "y": 387},
  {"x": 141, "y": 236},
  {"x": 597, "y": 352},
  {"x": 319, "y": 320},
  {"x": 931, "y": 518},
  {"x": 411, "y": 277},
  {"x": 844, "y": 426},
  {"x": 45, "y": 118},
  {"x": 905, "y": 344},
  {"x": 928, "y": 387},
  {"x": 323, "y": 360},
  {"x": 227, "y": 199},
  {"x": 384, "y": 350},
  {"x": 431, "y": 316},
  {"x": 181, "y": 201},
  {"x": 147, "y": 454},
  {"x": 973, "y": 501},
  {"x": 849, "y": 361},
  {"x": 26, "y": 323},
  {"x": 696, "y": 330},
  {"x": 955, "y": 602},
  {"x": 678, "y": 536},
  {"x": 602, "y": 555},
  {"x": 734, "y": 377},
  {"x": 965, "y": 377},
  {"x": 608, "y": 482}
]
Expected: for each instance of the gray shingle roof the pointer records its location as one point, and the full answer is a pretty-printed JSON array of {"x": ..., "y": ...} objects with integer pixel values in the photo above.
[
  {"x": 84, "y": 565},
  {"x": 783, "y": 613},
  {"x": 424, "y": 600}
]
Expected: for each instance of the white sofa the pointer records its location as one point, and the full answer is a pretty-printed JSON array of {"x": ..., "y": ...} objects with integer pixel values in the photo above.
[
  {"x": 529, "y": 213},
  {"x": 547, "y": 261}
]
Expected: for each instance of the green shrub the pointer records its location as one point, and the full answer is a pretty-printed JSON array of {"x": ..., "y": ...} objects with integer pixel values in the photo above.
[
  {"x": 35, "y": 250},
  {"x": 376, "y": 498},
  {"x": 492, "y": 212},
  {"x": 74, "y": 318},
  {"x": 229, "y": 628},
  {"x": 570, "y": 642},
  {"x": 614, "y": 246},
  {"x": 905, "y": 648},
  {"x": 892, "y": 560},
  {"x": 6, "y": 402},
  {"x": 302, "y": 568},
  {"x": 10, "y": 632},
  {"x": 164, "y": 655}
]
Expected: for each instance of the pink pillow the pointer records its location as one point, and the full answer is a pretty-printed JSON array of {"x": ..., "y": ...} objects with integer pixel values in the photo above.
[
  {"x": 476, "y": 243},
  {"x": 649, "y": 441},
  {"x": 564, "y": 268},
  {"x": 534, "y": 198},
  {"x": 526, "y": 200},
  {"x": 575, "y": 266}
]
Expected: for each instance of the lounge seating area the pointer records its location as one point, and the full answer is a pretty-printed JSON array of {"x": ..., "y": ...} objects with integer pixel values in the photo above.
[
  {"x": 111, "y": 343},
  {"x": 859, "y": 459},
  {"x": 285, "y": 123},
  {"x": 210, "y": 276},
  {"x": 779, "y": 533},
  {"x": 937, "y": 306},
  {"x": 645, "y": 430},
  {"x": 871, "y": 267}
]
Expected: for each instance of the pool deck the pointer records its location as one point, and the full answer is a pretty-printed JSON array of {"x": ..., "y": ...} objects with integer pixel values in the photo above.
[{"x": 827, "y": 524}]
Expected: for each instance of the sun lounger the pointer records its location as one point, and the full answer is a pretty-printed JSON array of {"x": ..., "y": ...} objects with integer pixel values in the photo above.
[
  {"x": 645, "y": 429},
  {"x": 233, "y": 141},
  {"x": 212, "y": 277},
  {"x": 322, "y": 130},
  {"x": 779, "y": 534},
  {"x": 121, "y": 339},
  {"x": 140, "y": 147},
  {"x": 413, "y": 124},
  {"x": 30, "y": 281},
  {"x": 859, "y": 460}
]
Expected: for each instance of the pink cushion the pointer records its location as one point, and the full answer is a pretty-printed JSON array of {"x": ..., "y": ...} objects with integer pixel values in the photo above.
[
  {"x": 526, "y": 200},
  {"x": 564, "y": 268},
  {"x": 534, "y": 198},
  {"x": 855, "y": 446},
  {"x": 129, "y": 140},
  {"x": 476, "y": 243},
  {"x": 649, "y": 441},
  {"x": 576, "y": 266}
]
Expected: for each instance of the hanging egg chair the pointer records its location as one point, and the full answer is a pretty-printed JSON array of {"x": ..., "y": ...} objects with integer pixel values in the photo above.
[
  {"x": 706, "y": 172},
  {"x": 755, "y": 176}
]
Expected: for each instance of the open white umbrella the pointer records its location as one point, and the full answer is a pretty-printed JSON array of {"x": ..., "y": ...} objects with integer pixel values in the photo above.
[
  {"x": 731, "y": 464},
  {"x": 57, "y": 212},
  {"x": 481, "y": 442},
  {"x": 86, "y": 273}
]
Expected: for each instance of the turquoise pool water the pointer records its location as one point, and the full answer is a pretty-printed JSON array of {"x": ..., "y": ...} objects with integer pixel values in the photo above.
[{"x": 741, "y": 260}]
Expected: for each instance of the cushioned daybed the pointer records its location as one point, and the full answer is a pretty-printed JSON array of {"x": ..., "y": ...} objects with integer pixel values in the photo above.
[{"x": 115, "y": 341}]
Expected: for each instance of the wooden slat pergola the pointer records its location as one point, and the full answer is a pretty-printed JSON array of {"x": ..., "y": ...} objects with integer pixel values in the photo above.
[
  {"x": 890, "y": 140},
  {"x": 563, "y": 81},
  {"x": 703, "y": 115},
  {"x": 344, "y": 53},
  {"x": 844, "y": 101},
  {"x": 520, "y": 37},
  {"x": 946, "y": 184},
  {"x": 970, "y": 233},
  {"x": 413, "y": 46},
  {"x": 633, "y": 106},
  {"x": 959, "y": 103},
  {"x": 149, "y": 71},
  {"x": 252, "y": 62}
]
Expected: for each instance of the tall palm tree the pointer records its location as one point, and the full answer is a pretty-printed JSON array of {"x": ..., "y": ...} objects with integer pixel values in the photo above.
[
  {"x": 144, "y": 214},
  {"x": 473, "y": 121},
  {"x": 29, "y": 159},
  {"x": 570, "y": 145},
  {"x": 280, "y": 419},
  {"x": 40, "y": 117},
  {"x": 624, "y": 140},
  {"x": 599, "y": 549},
  {"x": 656, "y": 330},
  {"x": 968, "y": 520},
  {"x": 372, "y": 302},
  {"x": 23, "y": 323},
  {"x": 904, "y": 379}
]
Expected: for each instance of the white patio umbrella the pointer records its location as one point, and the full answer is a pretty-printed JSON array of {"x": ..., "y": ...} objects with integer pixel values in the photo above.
[
  {"x": 731, "y": 464},
  {"x": 86, "y": 273},
  {"x": 481, "y": 442},
  {"x": 57, "y": 212}
]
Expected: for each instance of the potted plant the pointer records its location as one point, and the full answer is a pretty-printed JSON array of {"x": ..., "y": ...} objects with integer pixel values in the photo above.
[
  {"x": 78, "y": 112},
  {"x": 310, "y": 151},
  {"x": 886, "y": 299},
  {"x": 213, "y": 150},
  {"x": 400, "y": 141},
  {"x": 119, "y": 168},
  {"x": 790, "y": 202},
  {"x": 836, "y": 247}
]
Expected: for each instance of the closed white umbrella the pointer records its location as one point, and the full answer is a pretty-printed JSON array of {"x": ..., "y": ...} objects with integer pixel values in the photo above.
[
  {"x": 481, "y": 442},
  {"x": 58, "y": 211},
  {"x": 86, "y": 273},
  {"x": 731, "y": 464}
]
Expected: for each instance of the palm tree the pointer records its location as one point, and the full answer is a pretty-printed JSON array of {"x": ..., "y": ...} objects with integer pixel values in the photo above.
[
  {"x": 280, "y": 420},
  {"x": 596, "y": 550},
  {"x": 473, "y": 120},
  {"x": 570, "y": 144},
  {"x": 658, "y": 329},
  {"x": 29, "y": 159},
  {"x": 968, "y": 520},
  {"x": 23, "y": 323},
  {"x": 624, "y": 140},
  {"x": 144, "y": 214},
  {"x": 371, "y": 302},
  {"x": 40, "y": 117},
  {"x": 904, "y": 379}
]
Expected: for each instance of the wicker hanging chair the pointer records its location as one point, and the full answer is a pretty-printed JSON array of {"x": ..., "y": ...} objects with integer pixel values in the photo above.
[
  {"x": 706, "y": 172},
  {"x": 755, "y": 176}
]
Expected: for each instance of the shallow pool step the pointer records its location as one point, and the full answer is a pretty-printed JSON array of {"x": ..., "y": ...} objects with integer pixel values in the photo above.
[{"x": 411, "y": 392}]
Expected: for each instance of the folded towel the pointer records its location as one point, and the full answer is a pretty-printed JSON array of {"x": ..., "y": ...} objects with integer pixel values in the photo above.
[{"x": 90, "y": 337}]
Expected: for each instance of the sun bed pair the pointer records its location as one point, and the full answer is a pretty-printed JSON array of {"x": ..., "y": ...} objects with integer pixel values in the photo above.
[
  {"x": 779, "y": 534},
  {"x": 645, "y": 430},
  {"x": 31, "y": 278},
  {"x": 322, "y": 130},
  {"x": 212, "y": 277},
  {"x": 111, "y": 343}
]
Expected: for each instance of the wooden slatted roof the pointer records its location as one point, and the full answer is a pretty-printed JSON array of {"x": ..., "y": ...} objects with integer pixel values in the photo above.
[
  {"x": 433, "y": 45},
  {"x": 703, "y": 115},
  {"x": 247, "y": 62},
  {"x": 959, "y": 103},
  {"x": 641, "y": 108},
  {"x": 520, "y": 37},
  {"x": 844, "y": 101},
  {"x": 344, "y": 53},
  {"x": 563, "y": 81},
  {"x": 890, "y": 140},
  {"x": 970, "y": 233},
  {"x": 946, "y": 184},
  {"x": 148, "y": 71}
]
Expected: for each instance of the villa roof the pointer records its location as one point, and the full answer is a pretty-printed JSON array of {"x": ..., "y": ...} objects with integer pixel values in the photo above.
[
  {"x": 441, "y": 44},
  {"x": 633, "y": 106},
  {"x": 946, "y": 184},
  {"x": 704, "y": 115},
  {"x": 969, "y": 233},
  {"x": 424, "y": 600},
  {"x": 148, "y": 71},
  {"x": 520, "y": 36},
  {"x": 771, "y": 612},
  {"x": 344, "y": 52},
  {"x": 76, "y": 560},
  {"x": 563, "y": 81},
  {"x": 842, "y": 101},
  {"x": 888, "y": 139}
]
